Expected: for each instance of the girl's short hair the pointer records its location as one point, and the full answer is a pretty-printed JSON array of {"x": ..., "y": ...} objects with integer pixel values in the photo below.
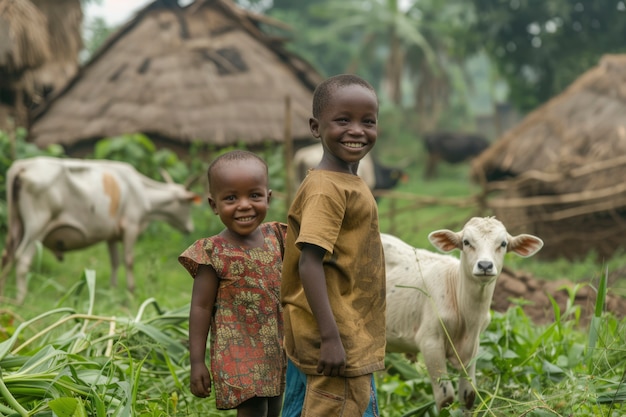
[{"x": 236, "y": 155}]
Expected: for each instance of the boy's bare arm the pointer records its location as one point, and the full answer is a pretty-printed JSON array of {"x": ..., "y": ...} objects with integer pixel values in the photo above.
[
  {"x": 332, "y": 361},
  {"x": 203, "y": 297}
]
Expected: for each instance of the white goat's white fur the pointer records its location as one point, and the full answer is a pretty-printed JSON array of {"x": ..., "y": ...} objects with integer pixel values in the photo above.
[{"x": 438, "y": 304}]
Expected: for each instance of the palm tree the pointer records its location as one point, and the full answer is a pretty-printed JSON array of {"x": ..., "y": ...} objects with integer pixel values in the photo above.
[
  {"x": 381, "y": 30},
  {"x": 446, "y": 28}
]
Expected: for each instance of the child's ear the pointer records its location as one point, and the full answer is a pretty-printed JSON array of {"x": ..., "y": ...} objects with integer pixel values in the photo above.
[
  {"x": 212, "y": 204},
  {"x": 314, "y": 125},
  {"x": 269, "y": 195}
]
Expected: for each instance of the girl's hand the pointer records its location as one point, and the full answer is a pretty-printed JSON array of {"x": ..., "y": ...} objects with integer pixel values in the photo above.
[{"x": 200, "y": 381}]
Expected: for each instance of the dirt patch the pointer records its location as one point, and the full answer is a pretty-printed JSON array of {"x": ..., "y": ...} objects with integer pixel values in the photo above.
[{"x": 513, "y": 285}]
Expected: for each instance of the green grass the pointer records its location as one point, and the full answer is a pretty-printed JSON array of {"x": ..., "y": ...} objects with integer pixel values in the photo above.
[{"x": 523, "y": 369}]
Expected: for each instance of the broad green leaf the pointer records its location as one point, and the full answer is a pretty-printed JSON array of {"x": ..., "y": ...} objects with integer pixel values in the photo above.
[{"x": 67, "y": 407}]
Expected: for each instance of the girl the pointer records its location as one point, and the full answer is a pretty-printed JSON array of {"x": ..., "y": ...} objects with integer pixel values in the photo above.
[{"x": 236, "y": 293}]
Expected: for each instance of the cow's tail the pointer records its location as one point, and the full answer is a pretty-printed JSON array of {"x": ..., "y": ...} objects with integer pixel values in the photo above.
[{"x": 15, "y": 225}]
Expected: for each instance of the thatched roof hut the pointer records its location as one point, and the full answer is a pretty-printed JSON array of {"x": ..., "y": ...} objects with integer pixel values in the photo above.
[
  {"x": 39, "y": 47},
  {"x": 23, "y": 37},
  {"x": 23, "y": 46},
  {"x": 205, "y": 74},
  {"x": 560, "y": 173},
  {"x": 64, "y": 23}
]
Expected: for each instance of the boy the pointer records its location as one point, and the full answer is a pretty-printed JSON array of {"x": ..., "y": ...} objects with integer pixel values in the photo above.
[{"x": 333, "y": 279}]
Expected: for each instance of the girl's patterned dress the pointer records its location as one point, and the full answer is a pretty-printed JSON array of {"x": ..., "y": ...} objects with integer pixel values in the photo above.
[{"x": 246, "y": 336}]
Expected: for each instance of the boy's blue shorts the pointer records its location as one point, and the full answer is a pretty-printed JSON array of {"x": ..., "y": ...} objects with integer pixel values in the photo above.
[{"x": 296, "y": 390}]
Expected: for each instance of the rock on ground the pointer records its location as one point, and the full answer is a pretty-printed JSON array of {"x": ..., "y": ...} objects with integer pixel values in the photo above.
[{"x": 532, "y": 293}]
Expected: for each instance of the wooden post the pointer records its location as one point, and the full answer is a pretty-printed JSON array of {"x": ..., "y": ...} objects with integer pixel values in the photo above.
[
  {"x": 12, "y": 139},
  {"x": 288, "y": 155}
]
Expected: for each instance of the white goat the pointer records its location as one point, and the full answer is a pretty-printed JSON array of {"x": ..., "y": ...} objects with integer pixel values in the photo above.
[{"x": 438, "y": 304}]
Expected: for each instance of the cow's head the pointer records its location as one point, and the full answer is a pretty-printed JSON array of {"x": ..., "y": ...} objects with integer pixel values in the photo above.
[{"x": 483, "y": 242}]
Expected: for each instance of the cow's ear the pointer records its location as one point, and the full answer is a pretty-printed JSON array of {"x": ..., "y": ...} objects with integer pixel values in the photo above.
[
  {"x": 525, "y": 245},
  {"x": 445, "y": 240}
]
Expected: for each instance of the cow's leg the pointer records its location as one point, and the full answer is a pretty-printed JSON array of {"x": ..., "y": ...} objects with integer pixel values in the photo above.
[
  {"x": 34, "y": 231},
  {"x": 128, "y": 244},
  {"x": 431, "y": 166},
  {"x": 435, "y": 360},
  {"x": 24, "y": 257},
  {"x": 3, "y": 276},
  {"x": 114, "y": 258},
  {"x": 467, "y": 393}
]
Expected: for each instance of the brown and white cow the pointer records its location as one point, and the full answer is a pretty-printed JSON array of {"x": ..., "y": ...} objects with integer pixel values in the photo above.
[
  {"x": 69, "y": 204},
  {"x": 438, "y": 304}
]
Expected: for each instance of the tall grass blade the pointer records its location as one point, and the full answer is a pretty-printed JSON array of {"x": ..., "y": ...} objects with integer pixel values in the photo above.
[
  {"x": 7, "y": 345},
  {"x": 10, "y": 399},
  {"x": 594, "y": 326}
]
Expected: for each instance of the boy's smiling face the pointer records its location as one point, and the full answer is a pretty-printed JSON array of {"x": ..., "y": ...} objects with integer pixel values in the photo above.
[{"x": 347, "y": 127}]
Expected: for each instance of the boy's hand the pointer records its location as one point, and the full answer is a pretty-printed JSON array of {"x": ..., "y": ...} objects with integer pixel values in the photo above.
[
  {"x": 332, "y": 360},
  {"x": 200, "y": 381}
]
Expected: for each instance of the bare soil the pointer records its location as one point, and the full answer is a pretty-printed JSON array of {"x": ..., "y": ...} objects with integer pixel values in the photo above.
[{"x": 533, "y": 293}]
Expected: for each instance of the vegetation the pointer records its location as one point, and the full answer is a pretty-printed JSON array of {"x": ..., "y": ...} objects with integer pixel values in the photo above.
[
  {"x": 420, "y": 52},
  {"x": 540, "y": 47},
  {"x": 78, "y": 347}
]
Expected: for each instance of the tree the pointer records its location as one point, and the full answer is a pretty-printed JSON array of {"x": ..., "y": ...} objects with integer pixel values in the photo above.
[
  {"x": 408, "y": 50},
  {"x": 540, "y": 46},
  {"x": 382, "y": 32},
  {"x": 445, "y": 26}
]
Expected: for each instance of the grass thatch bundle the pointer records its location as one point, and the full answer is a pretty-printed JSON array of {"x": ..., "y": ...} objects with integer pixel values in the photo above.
[
  {"x": 23, "y": 36},
  {"x": 65, "y": 21},
  {"x": 560, "y": 173}
]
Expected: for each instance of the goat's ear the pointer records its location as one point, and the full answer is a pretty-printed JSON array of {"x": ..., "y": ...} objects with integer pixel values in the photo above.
[
  {"x": 525, "y": 245},
  {"x": 445, "y": 240}
]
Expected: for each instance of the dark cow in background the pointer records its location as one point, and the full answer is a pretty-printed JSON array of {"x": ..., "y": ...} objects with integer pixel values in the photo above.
[
  {"x": 451, "y": 147},
  {"x": 375, "y": 175},
  {"x": 69, "y": 204}
]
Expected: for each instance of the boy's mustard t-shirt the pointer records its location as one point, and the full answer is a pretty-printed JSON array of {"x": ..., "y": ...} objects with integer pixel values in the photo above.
[{"x": 337, "y": 212}]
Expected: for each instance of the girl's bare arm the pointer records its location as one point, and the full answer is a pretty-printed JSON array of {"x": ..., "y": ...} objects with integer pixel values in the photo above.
[{"x": 203, "y": 297}]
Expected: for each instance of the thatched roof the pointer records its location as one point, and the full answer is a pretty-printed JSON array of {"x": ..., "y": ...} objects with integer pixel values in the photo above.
[
  {"x": 39, "y": 47},
  {"x": 202, "y": 73},
  {"x": 560, "y": 172},
  {"x": 64, "y": 24},
  {"x": 23, "y": 38}
]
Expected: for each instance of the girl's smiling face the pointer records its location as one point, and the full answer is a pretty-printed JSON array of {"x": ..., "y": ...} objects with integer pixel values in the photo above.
[
  {"x": 240, "y": 196},
  {"x": 347, "y": 127}
]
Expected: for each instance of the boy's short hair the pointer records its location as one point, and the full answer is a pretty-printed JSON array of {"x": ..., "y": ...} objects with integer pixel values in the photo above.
[
  {"x": 236, "y": 155},
  {"x": 325, "y": 90}
]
